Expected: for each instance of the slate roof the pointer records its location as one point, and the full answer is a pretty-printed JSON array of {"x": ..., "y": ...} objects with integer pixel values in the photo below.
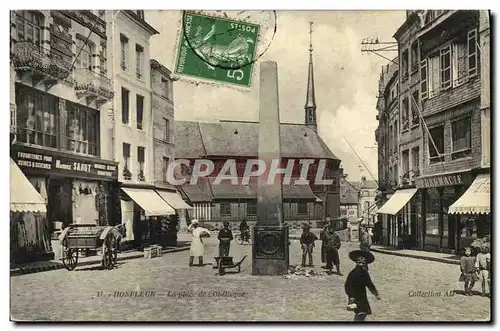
[
  {"x": 369, "y": 184},
  {"x": 348, "y": 199},
  {"x": 207, "y": 191},
  {"x": 233, "y": 138}
]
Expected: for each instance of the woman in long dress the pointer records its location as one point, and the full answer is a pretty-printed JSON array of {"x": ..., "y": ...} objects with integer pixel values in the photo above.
[{"x": 197, "y": 247}]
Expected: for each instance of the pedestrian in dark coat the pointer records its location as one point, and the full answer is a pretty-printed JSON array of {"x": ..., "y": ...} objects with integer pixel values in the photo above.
[
  {"x": 307, "y": 242},
  {"x": 356, "y": 283},
  {"x": 468, "y": 271},
  {"x": 331, "y": 241},
  {"x": 225, "y": 236}
]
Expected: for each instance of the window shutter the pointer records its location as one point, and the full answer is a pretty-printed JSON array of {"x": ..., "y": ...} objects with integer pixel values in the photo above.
[
  {"x": 472, "y": 52},
  {"x": 423, "y": 80}
]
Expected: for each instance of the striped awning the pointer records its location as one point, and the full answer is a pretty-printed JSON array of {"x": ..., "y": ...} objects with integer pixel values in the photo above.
[
  {"x": 150, "y": 201},
  {"x": 173, "y": 199},
  {"x": 398, "y": 200},
  {"x": 476, "y": 200},
  {"x": 23, "y": 196}
]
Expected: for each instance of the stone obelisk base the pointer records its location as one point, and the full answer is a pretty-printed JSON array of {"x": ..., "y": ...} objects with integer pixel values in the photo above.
[{"x": 270, "y": 254}]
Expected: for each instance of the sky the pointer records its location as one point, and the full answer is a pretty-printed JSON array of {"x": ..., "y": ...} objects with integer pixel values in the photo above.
[{"x": 346, "y": 80}]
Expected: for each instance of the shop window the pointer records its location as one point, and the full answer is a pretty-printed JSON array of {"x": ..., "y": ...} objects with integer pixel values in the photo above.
[
  {"x": 166, "y": 161},
  {"x": 414, "y": 56},
  {"x": 125, "y": 106},
  {"x": 432, "y": 212},
  {"x": 302, "y": 208},
  {"x": 139, "y": 110},
  {"x": 445, "y": 67},
  {"x": 82, "y": 129},
  {"x": 83, "y": 53},
  {"x": 36, "y": 117},
  {"x": 139, "y": 57},
  {"x": 436, "y": 149},
  {"x": 225, "y": 209},
  {"x": 461, "y": 138},
  {"x": 415, "y": 108},
  {"x": 126, "y": 158},
  {"x": 251, "y": 208},
  {"x": 123, "y": 53},
  {"x": 141, "y": 151},
  {"x": 29, "y": 25},
  {"x": 472, "y": 50}
]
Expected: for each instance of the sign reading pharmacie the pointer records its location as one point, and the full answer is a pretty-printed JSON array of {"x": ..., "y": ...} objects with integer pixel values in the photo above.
[
  {"x": 443, "y": 180},
  {"x": 36, "y": 161}
]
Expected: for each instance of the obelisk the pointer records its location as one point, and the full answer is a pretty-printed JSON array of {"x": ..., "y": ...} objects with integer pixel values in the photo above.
[{"x": 270, "y": 236}]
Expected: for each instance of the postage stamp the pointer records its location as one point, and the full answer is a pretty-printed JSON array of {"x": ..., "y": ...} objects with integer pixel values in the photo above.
[{"x": 217, "y": 49}]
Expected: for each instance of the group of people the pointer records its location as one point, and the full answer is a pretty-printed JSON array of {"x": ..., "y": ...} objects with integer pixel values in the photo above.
[
  {"x": 356, "y": 283},
  {"x": 475, "y": 268},
  {"x": 225, "y": 237}
]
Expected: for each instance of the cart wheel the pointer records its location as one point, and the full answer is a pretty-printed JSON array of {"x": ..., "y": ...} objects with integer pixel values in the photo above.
[
  {"x": 70, "y": 259},
  {"x": 239, "y": 239},
  {"x": 109, "y": 252}
]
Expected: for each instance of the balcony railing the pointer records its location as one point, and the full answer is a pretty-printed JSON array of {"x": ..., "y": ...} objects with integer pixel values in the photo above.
[
  {"x": 93, "y": 85},
  {"x": 28, "y": 57}
]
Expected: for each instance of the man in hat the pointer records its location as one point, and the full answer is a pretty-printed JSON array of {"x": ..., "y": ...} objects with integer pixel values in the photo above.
[
  {"x": 331, "y": 241},
  {"x": 197, "y": 248},
  {"x": 307, "y": 242},
  {"x": 225, "y": 237},
  {"x": 356, "y": 283}
]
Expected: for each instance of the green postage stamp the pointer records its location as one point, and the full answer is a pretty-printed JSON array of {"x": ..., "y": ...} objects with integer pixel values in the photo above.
[{"x": 217, "y": 49}]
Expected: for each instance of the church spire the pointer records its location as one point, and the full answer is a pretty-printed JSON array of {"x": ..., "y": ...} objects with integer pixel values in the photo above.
[{"x": 310, "y": 106}]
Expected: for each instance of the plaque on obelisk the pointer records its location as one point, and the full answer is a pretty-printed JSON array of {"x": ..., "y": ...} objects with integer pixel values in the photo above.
[{"x": 270, "y": 236}]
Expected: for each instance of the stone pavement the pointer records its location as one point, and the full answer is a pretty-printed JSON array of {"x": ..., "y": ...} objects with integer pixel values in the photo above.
[
  {"x": 423, "y": 255},
  {"x": 40, "y": 266},
  {"x": 411, "y": 290}
]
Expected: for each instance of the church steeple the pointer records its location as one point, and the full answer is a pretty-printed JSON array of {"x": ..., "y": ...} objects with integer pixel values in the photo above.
[{"x": 310, "y": 106}]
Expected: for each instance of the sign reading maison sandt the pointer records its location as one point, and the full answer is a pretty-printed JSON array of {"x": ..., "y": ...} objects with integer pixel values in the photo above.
[{"x": 52, "y": 162}]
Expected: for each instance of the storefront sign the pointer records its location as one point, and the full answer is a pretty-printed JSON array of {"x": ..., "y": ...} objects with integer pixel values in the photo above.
[
  {"x": 33, "y": 160},
  {"x": 437, "y": 181}
]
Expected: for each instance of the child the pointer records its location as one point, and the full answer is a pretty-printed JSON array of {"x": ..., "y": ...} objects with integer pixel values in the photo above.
[
  {"x": 225, "y": 237},
  {"x": 468, "y": 269},
  {"x": 307, "y": 242},
  {"x": 356, "y": 283},
  {"x": 482, "y": 268}
]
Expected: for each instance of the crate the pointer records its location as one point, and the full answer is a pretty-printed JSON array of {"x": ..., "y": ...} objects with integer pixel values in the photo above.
[{"x": 152, "y": 251}]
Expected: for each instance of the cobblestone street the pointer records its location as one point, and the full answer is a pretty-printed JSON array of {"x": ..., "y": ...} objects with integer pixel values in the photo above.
[{"x": 74, "y": 296}]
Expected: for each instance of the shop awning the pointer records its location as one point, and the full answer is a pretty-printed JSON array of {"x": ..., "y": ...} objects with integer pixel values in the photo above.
[
  {"x": 476, "y": 200},
  {"x": 398, "y": 200},
  {"x": 174, "y": 199},
  {"x": 23, "y": 196},
  {"x": 150, "y": 201}
]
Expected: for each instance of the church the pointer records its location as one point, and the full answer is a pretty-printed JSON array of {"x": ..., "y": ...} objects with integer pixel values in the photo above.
[{"x": 238, "y": 140}]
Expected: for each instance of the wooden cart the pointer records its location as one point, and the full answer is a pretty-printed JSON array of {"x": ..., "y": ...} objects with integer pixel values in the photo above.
[{"x": 88, "y": 237}]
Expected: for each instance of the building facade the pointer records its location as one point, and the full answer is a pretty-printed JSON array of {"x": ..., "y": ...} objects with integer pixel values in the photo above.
[
  {"x": 442, "y": 128},
  {"x": 387, "y": 140},
  {"x": 218, "y": 202},
  {"x": 60, "y": 93}
]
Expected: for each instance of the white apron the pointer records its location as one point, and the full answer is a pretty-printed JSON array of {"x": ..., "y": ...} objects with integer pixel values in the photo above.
[{"x": 197, "y": 247}]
